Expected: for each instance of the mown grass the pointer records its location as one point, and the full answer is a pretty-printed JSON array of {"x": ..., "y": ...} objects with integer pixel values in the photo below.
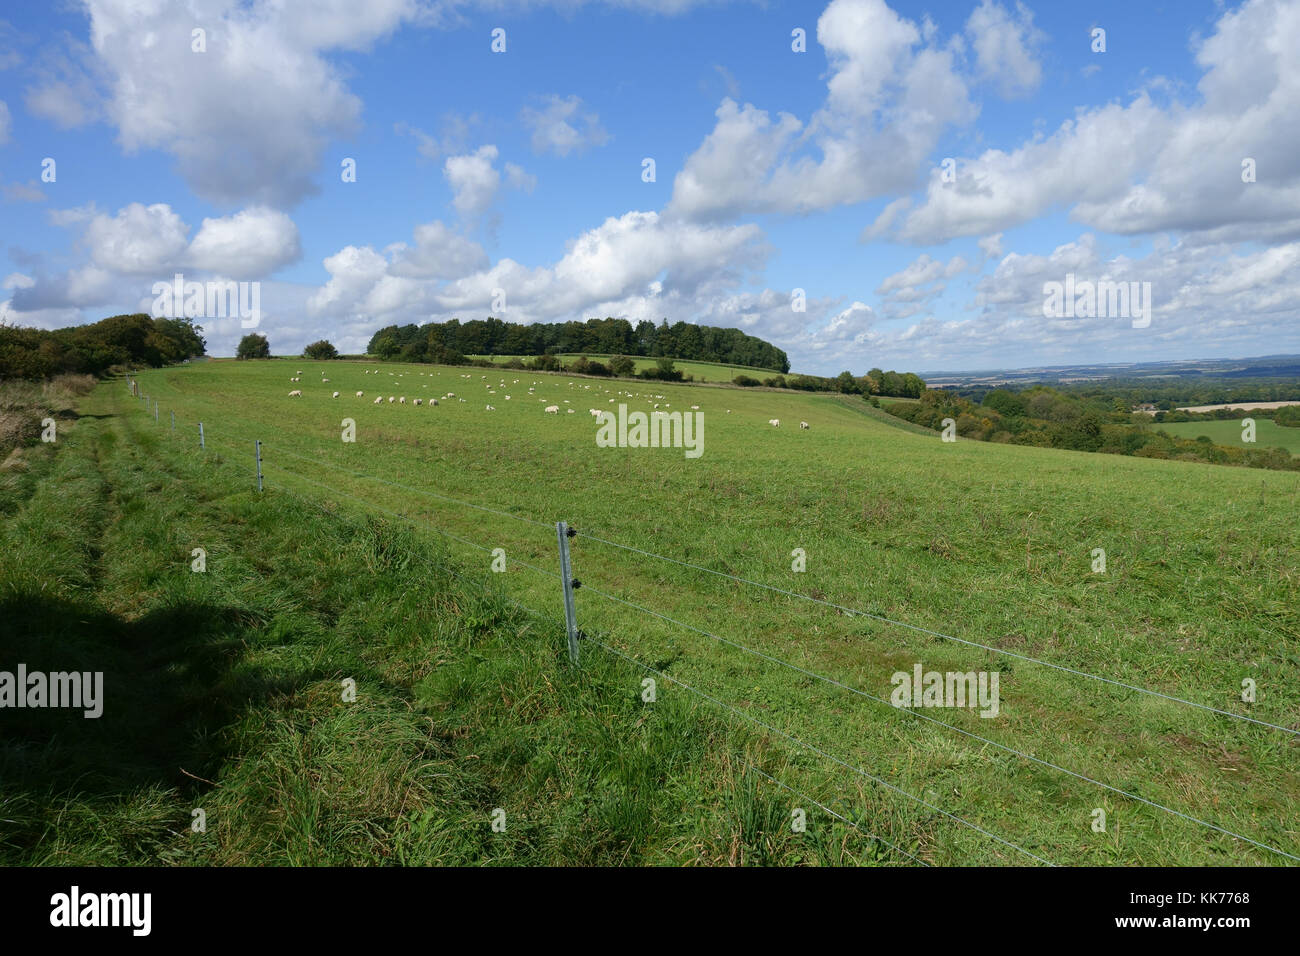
[{"x": 224, "y": 691}]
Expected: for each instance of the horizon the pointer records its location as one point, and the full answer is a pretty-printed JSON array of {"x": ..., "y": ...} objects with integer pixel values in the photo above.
[{"x": 898, "y": 186}]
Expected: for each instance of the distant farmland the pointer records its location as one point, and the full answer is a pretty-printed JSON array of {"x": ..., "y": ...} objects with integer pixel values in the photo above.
[{"x": 1268, "y": 434}]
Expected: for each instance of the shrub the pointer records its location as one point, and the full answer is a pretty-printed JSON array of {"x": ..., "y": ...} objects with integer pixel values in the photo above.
[
  {"x": 253, "y": 346},
  {"x": 320, "y": 350}
]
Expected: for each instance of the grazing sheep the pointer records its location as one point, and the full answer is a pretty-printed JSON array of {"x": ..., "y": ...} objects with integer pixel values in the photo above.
[
  {"x": 336, "y": 394},
  {"x": 774, "y": 422},
  {"x": 803, "y": 424},
  {"x": 571, "y": 411},
  {"x": 695, "y": 408},
  {"x": 491, "y": 409},
  {"x": 359, "y": 394},
  {"x": 296, "y": 393},
  {"x": 594, "y": 412},
  {"x": 324, "y": 380},
  {"x": 379, "y": 399},
  {"x": 552, "y": 409},
  {"x": 433, "y": 401},
  {"x": 419, "y": 401},
  {"x": 402, "y": 400},
  {"x": 299, "y": 372},
  {"x": 391, "y": 399},
  {"x": 450, "y": 395}
]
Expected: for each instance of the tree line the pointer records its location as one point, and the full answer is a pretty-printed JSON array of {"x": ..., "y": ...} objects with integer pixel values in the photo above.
[
  {"x": 448, "y": 343},
  {"x": 120, "y": 340},
  {"x": 874, "y": 383}
]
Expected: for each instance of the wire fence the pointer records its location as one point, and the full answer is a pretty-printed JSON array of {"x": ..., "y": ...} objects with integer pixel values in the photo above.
[{"x": 254, "y": 447}]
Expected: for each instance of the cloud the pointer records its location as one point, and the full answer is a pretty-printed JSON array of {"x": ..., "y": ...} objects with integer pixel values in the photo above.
[
  {"x": 438, "y": 253},
  {"x": 252, "y": 243},
  {"x": 475, "y": 181},
  {"x": 1139, "y": 168},
  {"x": 890, "y": 94},
  {"x": 67, "y": 86},
  {"x": 635, "y": 264},
  {"x": 907, "y": 292},
  {"x": 142, "y": 244},
  {"x": 5, "y": 122},
  {"x": 1005, "y": 47},
  {"x": 249, "y": 119},
  {"x": 29, "y": 191},
  {"x": 139, "y": 240},
  {"x": 455, "y": 134},
  {"x": 562, "y": 126}
]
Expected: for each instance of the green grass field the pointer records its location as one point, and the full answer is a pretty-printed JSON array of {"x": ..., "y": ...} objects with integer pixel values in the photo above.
[
  {"x": 699, "y": 371},
  {"x": 982, "y": 542},
  {"x": 1268, "y": 434}
]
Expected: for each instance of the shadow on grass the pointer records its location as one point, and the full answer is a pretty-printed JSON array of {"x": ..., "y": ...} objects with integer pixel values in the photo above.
[{"x": 171, "y": 683}]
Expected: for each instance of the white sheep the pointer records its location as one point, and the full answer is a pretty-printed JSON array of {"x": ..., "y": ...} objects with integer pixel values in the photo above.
[
  {"x": 419, "y": 401},
  {"x": 491, "y": 409},
  {"x": 803, "y": 424},
  {"x": 774, "y": 422},
  {"x": 391, "y": 399},
  {"x": 296, "y": 393},
  {"x": 379, "y": 399},
  {"x": 336, "y": 394},
  {"x": 359, "y": 394},
  {"x": 402, "y": 400},
  {"x": 324, "y": 380},
  {"x": 433, "y": 401},
  {"x": 552, "y": 409},
  {"x": 570, "y": 410}
]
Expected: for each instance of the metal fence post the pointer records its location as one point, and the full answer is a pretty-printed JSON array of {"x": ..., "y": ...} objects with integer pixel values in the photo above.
[
  {"x": 258, "y": 447},
  {"x": 562, "y": 534},
  {"x": 173, "y": 421},
  {"x": 200, "y": 434}
]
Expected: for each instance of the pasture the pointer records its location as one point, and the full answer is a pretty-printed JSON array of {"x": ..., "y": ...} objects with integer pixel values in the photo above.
[
  {"x": 1268, "y": 434},
  {"x": 964, "y": 542}
]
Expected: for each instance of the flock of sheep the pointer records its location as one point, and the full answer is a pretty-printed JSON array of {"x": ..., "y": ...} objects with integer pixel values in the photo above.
[{"x": 549, "y": 409}]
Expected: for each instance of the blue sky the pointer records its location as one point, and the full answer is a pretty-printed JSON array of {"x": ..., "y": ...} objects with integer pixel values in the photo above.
[{"x": 518, "y": 174}]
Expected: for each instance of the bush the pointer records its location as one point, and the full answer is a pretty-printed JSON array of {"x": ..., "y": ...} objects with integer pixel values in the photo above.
[
  {"x": 663, "y": 370},
  {"x": 320, "y": 350},
  {"x": 622, "y": 366},
  {"x": 253, "y": 346},
  {"x": 744, "y": 381},
  {"x": 1288, "y": 415}
]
